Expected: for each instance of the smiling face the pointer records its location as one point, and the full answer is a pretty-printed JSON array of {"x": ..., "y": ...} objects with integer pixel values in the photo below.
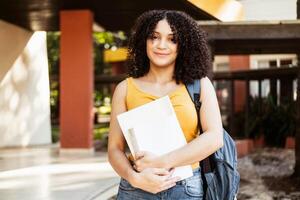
[{"x": 162, "y": 46}]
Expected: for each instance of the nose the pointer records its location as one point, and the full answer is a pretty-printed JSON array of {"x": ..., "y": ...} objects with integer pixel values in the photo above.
[{"x": 162, "y": 44}]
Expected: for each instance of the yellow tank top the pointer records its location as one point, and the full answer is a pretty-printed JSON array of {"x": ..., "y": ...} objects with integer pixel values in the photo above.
[{"x": 182, "y": 104}]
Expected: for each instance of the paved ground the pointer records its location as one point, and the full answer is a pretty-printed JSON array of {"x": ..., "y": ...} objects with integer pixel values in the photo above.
[
  {"x": 266, "y": 174},
  {"x": 41, "y": 174}
]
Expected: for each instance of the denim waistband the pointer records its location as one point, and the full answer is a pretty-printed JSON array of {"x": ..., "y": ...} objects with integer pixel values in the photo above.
[{"x": 196, "y": 173}]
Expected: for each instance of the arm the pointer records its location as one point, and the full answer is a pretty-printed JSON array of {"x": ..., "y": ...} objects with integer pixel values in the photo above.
[
  {"x": 152, "y": 179},
  {"x": 116, "y": 141},
  {"x": 201, "y": 147}
]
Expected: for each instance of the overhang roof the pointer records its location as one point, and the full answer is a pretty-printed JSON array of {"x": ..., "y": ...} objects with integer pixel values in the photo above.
[
  {"x": 225, "y": 37},
  {"x": 112, "y": 14},
  {"x": 253, "y": 37}
]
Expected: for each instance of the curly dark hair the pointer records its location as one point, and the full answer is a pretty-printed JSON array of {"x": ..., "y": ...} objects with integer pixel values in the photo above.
[{"x": 193, "y": 59}]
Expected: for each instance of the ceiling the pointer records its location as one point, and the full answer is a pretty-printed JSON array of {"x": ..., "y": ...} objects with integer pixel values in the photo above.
[
  {"x": 225, "y": 38},
  {"x": 37, "y": 15}
]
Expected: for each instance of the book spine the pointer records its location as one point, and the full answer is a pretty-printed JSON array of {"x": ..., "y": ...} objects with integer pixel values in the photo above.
[{"x": 133, "y": 140}]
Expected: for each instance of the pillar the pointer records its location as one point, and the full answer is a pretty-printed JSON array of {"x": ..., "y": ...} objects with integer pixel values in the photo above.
[
  {"x": 76, "y": 81},
  {"x": 238, "y": 62}
]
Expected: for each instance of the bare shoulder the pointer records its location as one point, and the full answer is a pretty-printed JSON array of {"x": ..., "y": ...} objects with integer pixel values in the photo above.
[
  {"x": 207, "y": 88},
  {"x": 121, "y": 89},
  {"x": 206, "y": 82},
  {"x": 118, "y": 101}
]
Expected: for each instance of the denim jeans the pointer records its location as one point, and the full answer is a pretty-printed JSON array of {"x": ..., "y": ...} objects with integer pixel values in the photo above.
[{"x": 187, "y": 189}]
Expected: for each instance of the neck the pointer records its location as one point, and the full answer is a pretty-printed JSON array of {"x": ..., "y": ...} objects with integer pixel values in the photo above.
[{"x": 161, "y": 75}]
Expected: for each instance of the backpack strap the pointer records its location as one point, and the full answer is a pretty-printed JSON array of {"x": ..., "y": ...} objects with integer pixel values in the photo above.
[{"x": 194, "y": 90}]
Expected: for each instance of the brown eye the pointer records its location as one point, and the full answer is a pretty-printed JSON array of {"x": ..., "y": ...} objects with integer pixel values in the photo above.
[
  {"x": 153, "y": 37},
  {"x": 173, "y": 40}
]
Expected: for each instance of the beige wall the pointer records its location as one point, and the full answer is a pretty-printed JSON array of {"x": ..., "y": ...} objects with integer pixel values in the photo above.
[
  {"x": 270, "y": 9},
  {"x": 221, "y": 63},
  {"x": 24, "y": 87}
]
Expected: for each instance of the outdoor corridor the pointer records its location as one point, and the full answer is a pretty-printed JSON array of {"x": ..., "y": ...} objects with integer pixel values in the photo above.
[{"x": 40, "y": 174}]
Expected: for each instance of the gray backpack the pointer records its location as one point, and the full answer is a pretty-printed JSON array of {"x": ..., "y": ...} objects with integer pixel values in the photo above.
[{"x": 218, "y": 171}]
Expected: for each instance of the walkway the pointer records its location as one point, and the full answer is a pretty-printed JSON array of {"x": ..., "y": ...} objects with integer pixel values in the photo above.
[{"x": 41, "y": 174}]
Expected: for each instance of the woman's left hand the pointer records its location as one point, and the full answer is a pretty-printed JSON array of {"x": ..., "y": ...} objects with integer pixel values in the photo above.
[{"x": 145, "y": 159}]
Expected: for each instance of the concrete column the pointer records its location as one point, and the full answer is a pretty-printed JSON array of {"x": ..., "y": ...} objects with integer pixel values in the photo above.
[
  {"x": 76, "y": 81},
  {"x": 238, "y": 62}
]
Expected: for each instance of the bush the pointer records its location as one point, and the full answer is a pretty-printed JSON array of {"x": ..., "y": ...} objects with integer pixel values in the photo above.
[{"x": 275, "y": 122}]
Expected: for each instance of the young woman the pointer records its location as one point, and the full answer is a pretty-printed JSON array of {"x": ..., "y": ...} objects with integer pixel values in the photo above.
[{"x": 167, "y": 49}]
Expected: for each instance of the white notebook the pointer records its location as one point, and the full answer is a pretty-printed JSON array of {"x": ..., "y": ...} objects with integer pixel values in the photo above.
[{"x": 154, "y": 127}]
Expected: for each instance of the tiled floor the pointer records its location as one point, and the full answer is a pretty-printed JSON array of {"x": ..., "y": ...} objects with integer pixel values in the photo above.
[{"x": 41, "y": 174}]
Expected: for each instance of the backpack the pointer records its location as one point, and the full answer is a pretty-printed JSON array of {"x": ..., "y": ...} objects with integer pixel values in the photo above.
[{"x": 218, "y": 171}]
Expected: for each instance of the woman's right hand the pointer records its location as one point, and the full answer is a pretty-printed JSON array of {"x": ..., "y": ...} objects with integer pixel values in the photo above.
[{"x": 154, "y": 180}]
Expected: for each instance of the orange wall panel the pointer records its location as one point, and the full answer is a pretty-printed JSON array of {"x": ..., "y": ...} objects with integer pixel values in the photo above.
[
  {"x": 239, "y": 62},
  {"x": 76, "y": 79}
]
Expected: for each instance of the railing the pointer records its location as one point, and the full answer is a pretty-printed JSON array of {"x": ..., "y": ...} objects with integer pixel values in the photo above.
[{"x": 286, "y": 76}]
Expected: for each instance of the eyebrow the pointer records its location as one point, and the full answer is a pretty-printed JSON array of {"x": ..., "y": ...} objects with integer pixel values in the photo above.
[{"x": 172, "y": 34}]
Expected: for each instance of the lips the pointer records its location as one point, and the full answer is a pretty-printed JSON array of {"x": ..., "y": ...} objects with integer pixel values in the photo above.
[{"x": 161, "y": 54}]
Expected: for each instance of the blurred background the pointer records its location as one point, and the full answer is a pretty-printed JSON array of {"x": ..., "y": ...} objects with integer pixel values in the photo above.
[{"x": 60, "y": 61}]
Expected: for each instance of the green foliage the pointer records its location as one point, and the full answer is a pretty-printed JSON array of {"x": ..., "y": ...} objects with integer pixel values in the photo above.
[
  {"x": 98, "y": 98},
  {"x": 100, "y": 133},
  {"x": 101, "y": 41},
  {"x": 276, "y": 122},
  {"x": 103, "y": 37},
  {"x": 106, "y": 40},
  {"x": 55, "y": 133},
  {"x": 54, "y": 101},
  {"x": 239, "y": 125},
  {"x": 255, "y": 117},
  {"x": 118, "y": 39},
  {"x": 53, "y": 51},
  {"x": 102, "y": 97}
]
